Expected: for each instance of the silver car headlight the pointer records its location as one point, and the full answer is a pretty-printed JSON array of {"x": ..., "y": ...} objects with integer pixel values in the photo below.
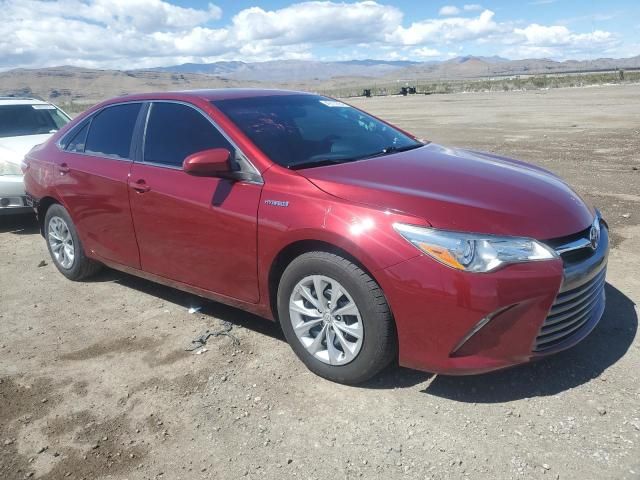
[
  {"x": 8, "y": 168},
  {"x": 473, "y": 252}
]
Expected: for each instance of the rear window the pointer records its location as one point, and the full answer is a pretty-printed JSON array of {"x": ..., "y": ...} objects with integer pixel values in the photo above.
[
  {"x": 111, "y": 131},
  {"x": 20, "y": 120}
]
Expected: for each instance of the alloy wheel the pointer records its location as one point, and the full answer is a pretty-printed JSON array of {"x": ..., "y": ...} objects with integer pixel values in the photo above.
[
  {"x": 61, "y": 242},
  {"x": 326, "y": 320}
]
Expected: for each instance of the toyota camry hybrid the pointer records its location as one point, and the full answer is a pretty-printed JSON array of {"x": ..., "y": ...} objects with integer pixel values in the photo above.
[{"x": 366, "y": 244}]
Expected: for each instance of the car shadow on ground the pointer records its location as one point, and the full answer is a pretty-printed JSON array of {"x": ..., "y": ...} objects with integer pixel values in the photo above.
[
  {"x": 24, "y": 224},
  {"x": 209, "y": 308},
  {"x": 607, "y": 344},
  {"x": 392, "y": 377},
  {"x": 609, "y": 341}
]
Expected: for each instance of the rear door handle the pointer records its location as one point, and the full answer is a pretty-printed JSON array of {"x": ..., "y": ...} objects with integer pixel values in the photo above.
[
  {"x": 140, "y": 186},
  {"x": 63, "y": 168}
]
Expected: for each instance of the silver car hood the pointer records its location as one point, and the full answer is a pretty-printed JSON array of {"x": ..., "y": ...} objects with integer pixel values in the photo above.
[{"x": 13, "y": 149}]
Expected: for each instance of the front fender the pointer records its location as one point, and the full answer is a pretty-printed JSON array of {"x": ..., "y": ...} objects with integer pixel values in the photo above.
[{"x": 292, "y": 210}]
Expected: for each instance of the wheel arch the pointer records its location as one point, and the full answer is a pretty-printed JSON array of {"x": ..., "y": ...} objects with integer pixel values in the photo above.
[
  {"x": 293, "y": 250},
  {"x": 43, "y": 205}
]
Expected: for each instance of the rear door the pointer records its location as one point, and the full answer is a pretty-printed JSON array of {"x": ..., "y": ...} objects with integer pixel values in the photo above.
[
  {"x": 92, "y": 181},
  {"x": 201, "y": 231}
]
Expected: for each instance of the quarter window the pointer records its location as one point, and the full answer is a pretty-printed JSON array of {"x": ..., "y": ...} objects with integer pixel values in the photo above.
[
  {"x": 112, "y": 129},
  {"x": 175, "y": 131},
  {"x": 79, "y": 139}
]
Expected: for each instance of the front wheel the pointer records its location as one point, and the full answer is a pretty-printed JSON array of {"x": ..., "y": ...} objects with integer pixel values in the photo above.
[
  {"x": 336, "y": 318},
  {"x": 64, "y": 245}
]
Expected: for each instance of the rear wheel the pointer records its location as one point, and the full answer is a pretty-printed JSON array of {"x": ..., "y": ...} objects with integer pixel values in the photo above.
[
  {"x": 335, "y": 317},
  {"x": 65, "y": 247}
]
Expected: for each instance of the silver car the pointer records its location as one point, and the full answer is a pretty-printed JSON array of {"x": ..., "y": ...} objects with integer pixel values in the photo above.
[{"x": 24, "y": 123}]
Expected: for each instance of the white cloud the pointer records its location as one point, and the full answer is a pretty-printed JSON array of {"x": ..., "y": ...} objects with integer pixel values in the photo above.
[
  {"x": 143, "y": 15},
  {"x": 557, "y": 41},
  {"x": 145, "y": 33},
  {"x": 317, "y": 22},
  {"x": 130, "y": 33},
  {"x": 446, "y": 30},
  {"x": 426, "y": 52},
  {"x": 559, "y": 35},
  {"x": 449, "y": 10}
]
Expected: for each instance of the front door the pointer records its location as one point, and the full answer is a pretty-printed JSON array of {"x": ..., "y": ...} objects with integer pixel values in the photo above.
[
  {"x": 92, "y": 180},
  {"x": 200, "y": 231}
]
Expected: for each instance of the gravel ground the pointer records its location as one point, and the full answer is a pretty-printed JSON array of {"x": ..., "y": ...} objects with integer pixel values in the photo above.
[{"x": 95, "y": 381}]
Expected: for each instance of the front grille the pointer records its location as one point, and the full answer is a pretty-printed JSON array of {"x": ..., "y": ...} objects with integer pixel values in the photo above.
[
  {"x": 571, "y": 310},
  {"x": 574, "y": 248}
]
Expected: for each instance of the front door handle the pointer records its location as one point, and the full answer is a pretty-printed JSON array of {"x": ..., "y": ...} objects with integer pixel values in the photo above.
[
  {"x": 140, "y": 186},
  {"x": 63, "y": 168}
]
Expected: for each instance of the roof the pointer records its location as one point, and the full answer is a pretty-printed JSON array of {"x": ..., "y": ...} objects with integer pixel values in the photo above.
[
  {"x": 226, "y": 93},
  {"x": 211, "y": 94},
  {"x": 21, "y": 101}
]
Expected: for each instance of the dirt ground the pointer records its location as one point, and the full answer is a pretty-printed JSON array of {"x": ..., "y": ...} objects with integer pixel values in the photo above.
[{"x": 95, "y": 381}]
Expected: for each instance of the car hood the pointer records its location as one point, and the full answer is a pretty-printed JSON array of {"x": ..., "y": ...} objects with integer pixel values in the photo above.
[
  {"x": 13, "y": 149},
  {"x": 461, "y": 190}
]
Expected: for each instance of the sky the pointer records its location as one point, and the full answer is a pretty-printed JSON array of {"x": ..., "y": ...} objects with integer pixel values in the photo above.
[{"x": 127, "y": 34}]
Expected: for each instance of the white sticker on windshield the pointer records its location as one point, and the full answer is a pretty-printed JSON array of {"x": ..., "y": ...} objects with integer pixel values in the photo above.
[
  {"x": 333, "y": 103},
  {"x": 43, "y": 107}
]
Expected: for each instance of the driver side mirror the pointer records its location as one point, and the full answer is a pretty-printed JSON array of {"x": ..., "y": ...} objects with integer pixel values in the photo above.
[{"x": 209, "y": 163}]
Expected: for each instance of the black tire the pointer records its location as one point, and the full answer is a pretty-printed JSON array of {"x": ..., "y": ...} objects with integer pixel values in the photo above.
[
  {"x": 379, "y": 344},
  {"x": 82, "y": 266}
]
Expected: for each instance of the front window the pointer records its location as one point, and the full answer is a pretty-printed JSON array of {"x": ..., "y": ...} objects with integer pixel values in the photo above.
[
  {"x": 175, "y": 131},
  {"x": 300, "y": 131},
  {"x": 20, "y": 120}
]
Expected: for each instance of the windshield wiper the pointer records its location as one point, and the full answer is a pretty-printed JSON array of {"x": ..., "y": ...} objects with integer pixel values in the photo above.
[
  {"x": 394, "y": 149},
  {"x": 333, "y": 161},
  {"x": 321, "y": 163}
]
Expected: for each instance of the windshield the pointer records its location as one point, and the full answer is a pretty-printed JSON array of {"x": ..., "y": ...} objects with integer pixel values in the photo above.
[
  {"x": 18, "y": 120},
  {"x": 300, "y": 131}
]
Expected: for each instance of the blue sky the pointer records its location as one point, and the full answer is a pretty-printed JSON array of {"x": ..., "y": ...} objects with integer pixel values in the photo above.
[{"x": 147, "y": 33}]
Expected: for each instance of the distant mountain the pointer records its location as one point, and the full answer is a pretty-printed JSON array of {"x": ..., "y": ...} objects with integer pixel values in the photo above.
[
  {"x": 292, "y": 70},
  {"x": 82, "y": 85},
  {"x": 85, "y": 85},
  {"x": 369, "y": 62},
  {"x": 493, "y": 59},
  {"x": 479, "y": 67},
  {"x": 468, "y": 66},
  {"x": 217, "y": 68}
]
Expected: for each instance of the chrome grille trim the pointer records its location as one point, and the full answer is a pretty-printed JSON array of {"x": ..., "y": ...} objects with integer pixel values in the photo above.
[
  {"x": 575, "y": 245},
  {"x": 571, "y": 310},
  {"x": 579, "y": 244}
]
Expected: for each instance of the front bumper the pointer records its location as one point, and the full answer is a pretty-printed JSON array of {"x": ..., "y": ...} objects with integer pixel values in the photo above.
[
  {"x": 12, "y": 197},
  {"x": 459, "y": 323}
]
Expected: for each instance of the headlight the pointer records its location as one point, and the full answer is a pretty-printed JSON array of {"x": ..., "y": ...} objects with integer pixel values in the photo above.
[
  {"x": 473, "y": 252},
  {"x": 8, "y": 168}
]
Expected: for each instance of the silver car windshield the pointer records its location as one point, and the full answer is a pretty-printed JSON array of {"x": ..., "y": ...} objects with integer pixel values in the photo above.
[{"x": 19, "y": 120}]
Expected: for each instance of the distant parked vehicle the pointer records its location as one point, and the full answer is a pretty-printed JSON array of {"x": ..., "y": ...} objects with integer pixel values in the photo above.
[
  {"x": 24, "y": 123},
  {"x": 364, "y": 242}
]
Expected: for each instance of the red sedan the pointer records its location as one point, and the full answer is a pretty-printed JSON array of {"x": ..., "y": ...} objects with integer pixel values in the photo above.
[{"x": 363, "y": 242}]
